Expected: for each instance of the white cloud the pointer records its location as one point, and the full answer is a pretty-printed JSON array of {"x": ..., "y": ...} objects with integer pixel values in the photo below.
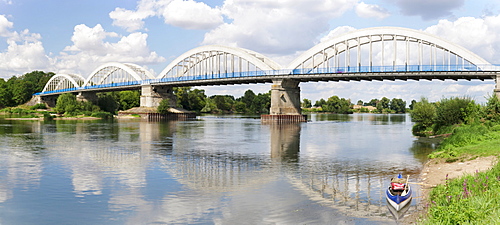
[
  {"x": 371, "y": 11},
  {"x": 133, "y": 20},
  {"x": 276, "y": 27},
  {"x": 90, "y": 49},
  {"x": 24, "y": 50},
  {"x": 191, "y": 15},
  {"x": 187, "y": 14},
  {"x": 5, "y": 25},
  {"x": 479, "y": 35},
  {"x": 337, "y": 32}
]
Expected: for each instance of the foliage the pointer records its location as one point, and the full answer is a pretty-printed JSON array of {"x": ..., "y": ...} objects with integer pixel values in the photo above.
[
  {"x": 107, "y": 102},
  {"x": 67, "y": 104},
  {"x": 450, "y": 111},
  {"x": 18, "y": 90},
  {"x": 306, "y": 103},
  {"x": 193, "y": 100},
  {"x": 398, "y": 105},
  {"x": 464, "y": 139},
  {"x": 337, "y": 105},
  {"x": 423, "y": 114},
  {"x": 492, "y": 109},
  {"x": 102, "y": 115},
  {"x": 129, "y": 99},
  {"x": 472, "y": 199},
  {"x": 164, "y": 106},
  {"x": 38, "y": 106}
]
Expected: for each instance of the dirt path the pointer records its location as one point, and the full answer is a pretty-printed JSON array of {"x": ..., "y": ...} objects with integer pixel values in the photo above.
[{"x": 435, "y": 172}]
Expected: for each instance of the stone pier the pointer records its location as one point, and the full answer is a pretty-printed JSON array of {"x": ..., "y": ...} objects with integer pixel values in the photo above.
[
  {"x": 285, "y": 102},
  {"x": 151, "y": 96}
]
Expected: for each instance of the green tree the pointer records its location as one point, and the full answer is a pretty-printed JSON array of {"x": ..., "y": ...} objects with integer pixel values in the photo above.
[
  {"x": 372, "y": 102},
  {"x": 359, "y": 102},
  {"x": 306, "y": 103},
  {"x": 337, "y": 105},
  {"x": 398, "y": 105},
  {"x": 492, "y": 108},
  {"x": 423, "y": 114},
  {"x": 320, "y": 103},
  {"x": 129, "y": 99},
  {"x": 5, "y": 94},
  {"x": 107, "y": 102},
  {"x": 164, "y": 106},
  {"x": 383, "y": 104},
  {"x": 412, "y": 104},
  {"x": 450, "y": 111},
  {"x": 67, "y": 104}
]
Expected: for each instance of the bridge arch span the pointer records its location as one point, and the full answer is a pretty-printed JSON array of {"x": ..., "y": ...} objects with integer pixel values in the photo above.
[
  {"x": 419, "y": 49},
  {"x": 60, "y": 82},
  {"x": 217, "y": 59},
  {"x": 117, "y": 73}
]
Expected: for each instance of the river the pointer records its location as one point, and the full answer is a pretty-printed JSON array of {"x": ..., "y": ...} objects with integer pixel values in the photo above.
[{"x": 213, "y": 170}]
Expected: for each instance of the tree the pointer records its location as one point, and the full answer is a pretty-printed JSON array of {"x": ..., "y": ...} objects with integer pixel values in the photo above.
[
  {"x": 423, "y": 114},
  {"x": 320, "y": 103},
  {"x": 129, "y": 99},
  {"x": 383, "y": 104},
  {"x": 398, "y": 105},
  {"x": 164, "y": 106},
  {"x": 67, "y": 104},
  {"x": 412, "y": 104},
  {"x": 107, "y": 102},
  {"x": 337, "y": 105},
  {"x": 359, "y": 102},
  {"x": 306, "y": 103},
  {"x": 5, "y": 94}
]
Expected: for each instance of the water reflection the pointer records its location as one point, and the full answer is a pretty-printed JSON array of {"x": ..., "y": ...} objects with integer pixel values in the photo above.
[{"x": 216, "y": 170}]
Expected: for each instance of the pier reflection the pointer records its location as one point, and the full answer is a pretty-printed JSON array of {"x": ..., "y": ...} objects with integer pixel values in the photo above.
[{"x": 285, "y": 141}]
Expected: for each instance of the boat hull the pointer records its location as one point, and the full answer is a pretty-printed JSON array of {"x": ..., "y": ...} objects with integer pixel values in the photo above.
[{"x": 399, "y": 201}]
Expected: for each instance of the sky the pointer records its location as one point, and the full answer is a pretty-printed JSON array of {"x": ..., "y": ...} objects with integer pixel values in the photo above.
[{"x": 76, "y": 37}]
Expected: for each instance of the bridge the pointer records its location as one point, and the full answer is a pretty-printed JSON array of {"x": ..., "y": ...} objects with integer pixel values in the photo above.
[{"x": 381, "y": 53}]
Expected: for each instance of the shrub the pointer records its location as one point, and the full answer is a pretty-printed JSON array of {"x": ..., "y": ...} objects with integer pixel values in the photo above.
[
  {"x": 450, "y": 111},
  {"x": 38, "y": 106},
  {"x": 423, "y": 114},
  {"x": 164, "y": 106}
]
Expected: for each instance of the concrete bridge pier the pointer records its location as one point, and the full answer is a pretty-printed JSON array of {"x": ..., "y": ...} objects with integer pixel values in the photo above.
[
  {"x": 285, "y": 102},
  {"x": 151, "y": 96}
]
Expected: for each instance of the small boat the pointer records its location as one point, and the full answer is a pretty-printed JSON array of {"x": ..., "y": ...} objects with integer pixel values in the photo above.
[{"x": 399, "y": 193}]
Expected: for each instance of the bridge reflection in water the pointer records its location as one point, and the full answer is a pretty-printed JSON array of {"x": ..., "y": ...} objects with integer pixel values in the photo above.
[{"x": 358, "y": 193}]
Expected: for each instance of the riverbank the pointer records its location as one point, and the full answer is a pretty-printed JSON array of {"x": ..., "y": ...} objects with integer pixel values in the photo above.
[{"x": 436, "y": 171}]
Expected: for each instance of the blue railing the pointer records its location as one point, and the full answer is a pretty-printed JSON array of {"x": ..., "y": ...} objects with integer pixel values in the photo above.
[{"x": 302, "y": 71}]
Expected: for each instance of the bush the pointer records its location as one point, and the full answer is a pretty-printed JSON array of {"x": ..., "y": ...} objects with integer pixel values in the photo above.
[
  {"x": 423, "y": 114},
  {"x": 450, "y": 111},
  {"x": 38, "y": 106},
  {"x": 102, "y": 115},
  {"x": 164, "y": 106}
]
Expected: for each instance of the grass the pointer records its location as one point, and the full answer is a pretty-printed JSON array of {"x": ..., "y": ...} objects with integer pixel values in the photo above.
[
  {"x": 474, "y": 198},
  {"x": 471, "y": 199}
]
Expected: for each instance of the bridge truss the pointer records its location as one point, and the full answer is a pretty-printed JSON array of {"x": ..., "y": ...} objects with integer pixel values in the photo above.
[{"x": 383, "y": 53}]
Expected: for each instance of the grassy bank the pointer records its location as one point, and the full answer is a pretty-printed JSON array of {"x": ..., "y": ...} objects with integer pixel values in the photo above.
[{"x": 474, "y": 198}]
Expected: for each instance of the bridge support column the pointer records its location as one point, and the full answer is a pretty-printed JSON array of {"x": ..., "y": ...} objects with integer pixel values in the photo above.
[
  {"x": 285, "y": 102},
  {"x": 497, "y": 86},
  {"x": 87, "y": 97},
  {"x": 151, "y": 96}
]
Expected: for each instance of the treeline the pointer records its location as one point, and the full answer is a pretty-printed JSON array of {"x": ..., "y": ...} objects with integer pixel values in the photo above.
[
  {"x": 441, "y": 117},
  {"x": 196, "y": 100},
  {"x": 335, "y": 104},
  {"x": 18, "y": 90}
]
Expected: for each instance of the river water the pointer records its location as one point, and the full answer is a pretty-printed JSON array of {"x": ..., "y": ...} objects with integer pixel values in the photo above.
[{"x": 213, "y": 170}]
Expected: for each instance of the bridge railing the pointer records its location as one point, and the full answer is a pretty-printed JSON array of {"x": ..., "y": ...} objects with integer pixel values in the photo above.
[{"x": 284, "y": 72}]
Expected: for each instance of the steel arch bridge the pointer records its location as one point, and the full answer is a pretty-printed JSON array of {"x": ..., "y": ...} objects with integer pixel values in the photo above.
[{"x": 380, "y": 53}]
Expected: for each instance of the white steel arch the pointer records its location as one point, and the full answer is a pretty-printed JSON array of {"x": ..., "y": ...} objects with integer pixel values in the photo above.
[
  {"x": 63, "y": 81},
  {"x": 114, "y": 72},
  {"x": 327, "y": 53},
  {"x": 217, "y": 59}
]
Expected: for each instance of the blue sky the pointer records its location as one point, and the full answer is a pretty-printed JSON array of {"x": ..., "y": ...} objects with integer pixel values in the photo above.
[{"x": 64, "y": 36}]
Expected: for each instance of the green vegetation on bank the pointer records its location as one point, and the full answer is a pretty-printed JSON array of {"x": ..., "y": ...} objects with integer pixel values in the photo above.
[
  {"x": 471, "y": 199},
  {"x": 474, "y": 130},
  {"x": 18, "y": 90}
]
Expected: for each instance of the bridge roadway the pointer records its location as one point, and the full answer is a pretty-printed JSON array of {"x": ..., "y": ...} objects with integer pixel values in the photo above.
[{"x": 263, "y": 77}]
